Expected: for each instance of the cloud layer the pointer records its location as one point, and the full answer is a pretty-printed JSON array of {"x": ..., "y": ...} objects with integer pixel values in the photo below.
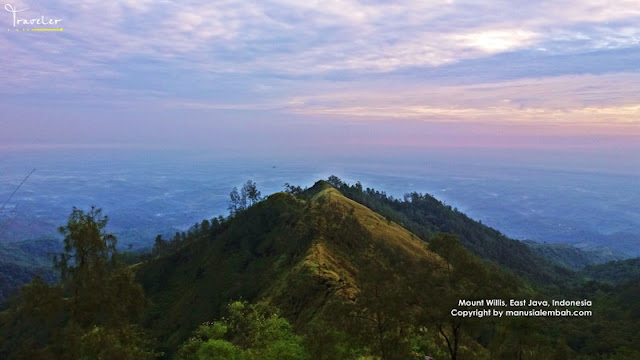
[{"x": 498, "y": 61}]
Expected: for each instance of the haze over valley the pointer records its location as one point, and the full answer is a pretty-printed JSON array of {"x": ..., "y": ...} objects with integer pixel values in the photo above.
[{"x": 151, "y": 192}]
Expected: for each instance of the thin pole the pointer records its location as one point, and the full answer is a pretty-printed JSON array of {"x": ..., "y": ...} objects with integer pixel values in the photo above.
[{"x": 16, "y": 190}]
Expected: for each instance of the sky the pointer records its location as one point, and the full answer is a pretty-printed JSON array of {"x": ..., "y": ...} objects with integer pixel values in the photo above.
[{"x": 286, "y": 75}]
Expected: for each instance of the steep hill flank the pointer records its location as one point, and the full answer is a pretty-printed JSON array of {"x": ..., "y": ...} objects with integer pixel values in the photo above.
[
  {"x": 424, "y": 215},
  {"x": 300, "y": 254}
]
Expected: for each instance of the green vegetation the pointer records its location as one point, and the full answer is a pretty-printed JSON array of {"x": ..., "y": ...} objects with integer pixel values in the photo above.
[
  {"x": 424, "y": 215},
  {"x": 614, "y": 272},
  {"x": 315, "y": 274},
  {"x": 21, "y": 261},
  {"x": 248, "y": 195},
  {"x": 571, "y": 257},
  {"x": 248, "y": 332},
  {"x": 90, "y": 314}
]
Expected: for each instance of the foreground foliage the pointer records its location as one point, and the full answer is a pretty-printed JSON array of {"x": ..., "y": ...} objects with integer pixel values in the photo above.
[
  {"x": 248, "y": 332},
  {"x": 90, "y": 314}
]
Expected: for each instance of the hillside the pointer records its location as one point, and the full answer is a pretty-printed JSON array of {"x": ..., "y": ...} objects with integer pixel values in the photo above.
[
  {"x": 20, "y": 261},
  {"x": 307, "y": 257},
  {"x": 572, "y": 257},
  {"x": 614, "y": 272},
  {"x": 344, "y": 235},
  {"x": 266, "y": 251},
  {"x": 424, "y": 215}
]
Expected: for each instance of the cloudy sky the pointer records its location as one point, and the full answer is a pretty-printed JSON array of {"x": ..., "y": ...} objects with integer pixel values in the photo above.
[{"x": 307, "y": 73}]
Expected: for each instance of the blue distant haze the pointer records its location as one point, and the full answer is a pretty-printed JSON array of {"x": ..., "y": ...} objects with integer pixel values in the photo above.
[{"x": 150, "y": 192}]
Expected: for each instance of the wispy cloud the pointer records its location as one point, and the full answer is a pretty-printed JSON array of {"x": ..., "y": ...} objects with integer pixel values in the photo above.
[
  {"x": 311, "y": 37},
  {"x": 611, "y": 100},
  {"x": 349, "y": 58}
]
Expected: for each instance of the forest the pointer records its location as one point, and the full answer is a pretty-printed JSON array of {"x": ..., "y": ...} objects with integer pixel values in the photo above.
[{"x": 334, "y": 271}]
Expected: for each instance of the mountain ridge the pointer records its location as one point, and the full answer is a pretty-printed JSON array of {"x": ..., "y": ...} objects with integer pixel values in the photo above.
[{"x": 306, "y": 241}]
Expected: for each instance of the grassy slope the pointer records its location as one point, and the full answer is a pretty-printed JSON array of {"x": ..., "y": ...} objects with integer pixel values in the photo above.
[
  {"x": 300, "y": 254},
  {"x": 344, "y": 232},
  {"x": 424, "y": 215}
]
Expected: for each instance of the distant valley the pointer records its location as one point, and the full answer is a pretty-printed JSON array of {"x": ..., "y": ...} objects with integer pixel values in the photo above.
[{"x": 146, "y": 194}]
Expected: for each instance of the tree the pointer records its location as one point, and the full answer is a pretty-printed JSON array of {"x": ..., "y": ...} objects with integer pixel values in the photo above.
[
  {"x": 92, "y": 312},
  {"x": 335, "y": 181},
  {"x": 205, "y": 225},
  {"x": 234, "y": 202},
  {"x": 250, "y": 190},
  {"x": 460, "y": 276},
  {"x": 249, "y": 332},
  {"x": 520, "y": 339},
  {"x": 123, "y": 343},
  {"x": 32, "y": 322},
  {"x": 87, "y": 261},
  {"x": 381, "y": 314},
  {"x": 243, "y": 199},
  {"x": 292, "y": 189},
  {"x": 160, "y": 245},
  {"x": 102, "y": 290}
]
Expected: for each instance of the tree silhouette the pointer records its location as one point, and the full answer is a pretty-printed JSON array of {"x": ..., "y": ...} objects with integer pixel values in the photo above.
[
  {"x": 250, "y": 189},
  {"x": 234, "y": 202},
  {"x": 245, "y": 198}
]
